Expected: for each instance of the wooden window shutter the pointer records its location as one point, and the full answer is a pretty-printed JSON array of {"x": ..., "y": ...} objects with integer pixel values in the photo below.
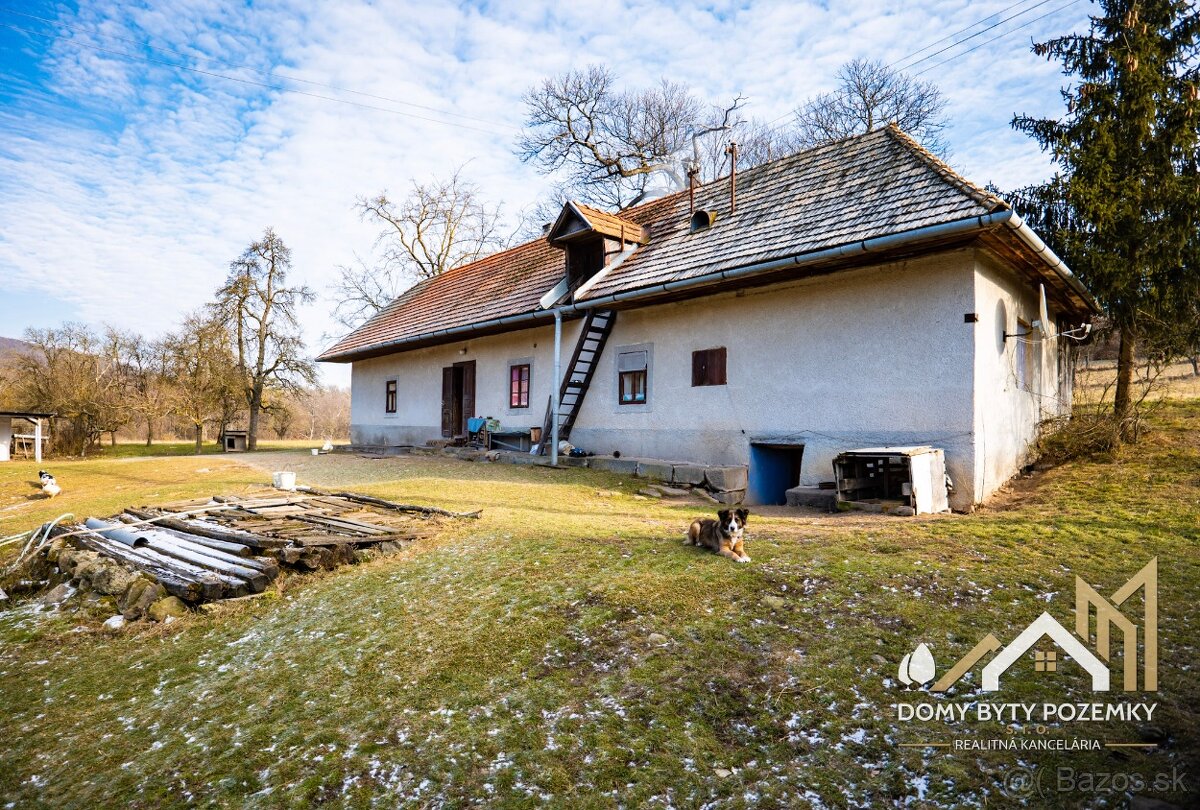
[
  {"x": 717, "y": 365},
  {"x": 708, "y": 367}
]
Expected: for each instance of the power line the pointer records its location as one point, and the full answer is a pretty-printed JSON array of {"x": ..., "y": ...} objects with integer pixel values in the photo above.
[
  {"x": 270, "y": 73},
  {"x": 774, "y": 124},
  {"x": 959, "y": 31},
  {"x": 999, "y": 36},
  {"x": 902, "y": 59},
  {"x": 253, "y": 83},
  {"x": 980, "y": 32}
]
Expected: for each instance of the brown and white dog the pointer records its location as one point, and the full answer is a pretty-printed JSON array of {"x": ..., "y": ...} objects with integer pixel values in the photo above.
[{"x": 725, "y": 535}]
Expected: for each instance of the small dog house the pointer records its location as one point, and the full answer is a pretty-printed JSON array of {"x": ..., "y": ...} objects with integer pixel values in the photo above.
[
  {"x": 236, "y": 441},
  {"x": 892, "y": 477}
]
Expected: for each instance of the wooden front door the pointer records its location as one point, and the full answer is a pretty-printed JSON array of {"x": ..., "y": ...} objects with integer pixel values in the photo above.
[{"x": 458, "y": 398}]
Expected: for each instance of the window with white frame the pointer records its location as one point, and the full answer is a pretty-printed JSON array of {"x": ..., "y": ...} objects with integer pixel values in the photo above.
[{"x": 633, "y": 377}]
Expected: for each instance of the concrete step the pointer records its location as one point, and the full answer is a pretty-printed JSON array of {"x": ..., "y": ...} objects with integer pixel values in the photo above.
[
  {"x": 372, "y": 449},
  {"x": 813, "y": 497}
]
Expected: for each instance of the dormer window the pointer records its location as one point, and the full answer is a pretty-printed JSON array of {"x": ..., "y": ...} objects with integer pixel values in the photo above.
[
  {"x": 591, "y": 240},
  {"x": 585, "y": 258}
]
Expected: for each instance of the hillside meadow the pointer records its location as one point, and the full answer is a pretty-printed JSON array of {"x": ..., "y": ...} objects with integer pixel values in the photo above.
[{"x": 566, "y": 650}]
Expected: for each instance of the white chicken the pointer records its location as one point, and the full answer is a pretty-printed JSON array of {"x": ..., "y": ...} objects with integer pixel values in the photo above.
[{"x": 49, "y": 485}]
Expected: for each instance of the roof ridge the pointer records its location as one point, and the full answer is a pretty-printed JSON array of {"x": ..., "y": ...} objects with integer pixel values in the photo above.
[
  {"x": 943, "y": 169},
  {"x": 770, "y": 164},
  {"x": 513, "y": 279}
]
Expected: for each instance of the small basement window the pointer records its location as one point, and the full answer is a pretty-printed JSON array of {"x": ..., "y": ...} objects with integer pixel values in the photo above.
[
  {"x": 632, "y": 377},
  {"x": 518, "y": 386},
  {"x": 389, "y": 397},
  {"x": 708, "y": 367}
]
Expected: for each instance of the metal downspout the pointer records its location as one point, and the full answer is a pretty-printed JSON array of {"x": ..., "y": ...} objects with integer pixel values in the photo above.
[{"x": 555, "y": 386}]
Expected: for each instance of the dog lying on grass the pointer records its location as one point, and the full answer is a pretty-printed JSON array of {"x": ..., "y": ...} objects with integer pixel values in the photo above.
[{"x": 725, "y": 535}]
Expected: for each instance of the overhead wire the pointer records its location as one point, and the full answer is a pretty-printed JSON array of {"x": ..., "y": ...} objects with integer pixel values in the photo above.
[
  {"x": 772, "y": 125},
  {"x": 1026, "y": 24},
  {"x": 777, "y": 123}
]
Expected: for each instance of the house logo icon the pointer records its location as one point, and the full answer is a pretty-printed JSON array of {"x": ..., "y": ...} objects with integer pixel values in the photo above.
[{"x": 1091, "y": 651}]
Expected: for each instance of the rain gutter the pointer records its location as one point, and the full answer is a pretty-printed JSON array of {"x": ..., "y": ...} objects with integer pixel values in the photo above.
[{"x": 865, "y": 247}]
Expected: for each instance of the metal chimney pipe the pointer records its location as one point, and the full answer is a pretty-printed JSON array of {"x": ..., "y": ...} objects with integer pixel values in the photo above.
[{"x": 732, "y": 151}]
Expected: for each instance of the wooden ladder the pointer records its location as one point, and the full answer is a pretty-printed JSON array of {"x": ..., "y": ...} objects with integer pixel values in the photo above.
[{"x": 597, "y": 326}]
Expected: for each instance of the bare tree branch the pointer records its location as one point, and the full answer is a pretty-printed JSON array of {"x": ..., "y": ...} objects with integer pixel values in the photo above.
[
  {"x": 871, "y": 95},
  {"x": 438, "y": 226},
  {"x": 608, "y": 146}
]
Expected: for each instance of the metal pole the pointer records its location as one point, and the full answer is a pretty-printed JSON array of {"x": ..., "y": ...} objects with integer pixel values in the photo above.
[
  {"x": 37, "y": 440},
  {"x": 555, "y": 384}
]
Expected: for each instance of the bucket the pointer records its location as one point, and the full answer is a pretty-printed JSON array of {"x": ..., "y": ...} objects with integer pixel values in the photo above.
[
  {"x": 535, "y": 435},
  {"x": 284, "y": 480},
  {"x": 316, "y": 452}
]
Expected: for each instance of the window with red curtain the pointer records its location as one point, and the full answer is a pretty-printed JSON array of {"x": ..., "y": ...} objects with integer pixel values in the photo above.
[{"x": 518, "y": 386}]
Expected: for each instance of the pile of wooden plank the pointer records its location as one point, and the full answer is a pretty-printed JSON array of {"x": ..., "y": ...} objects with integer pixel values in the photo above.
[{"x": 231, "y": 546}]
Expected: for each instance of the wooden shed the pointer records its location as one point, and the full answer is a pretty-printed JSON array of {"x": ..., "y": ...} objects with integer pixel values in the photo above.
[{"x": 21, "y": 443}]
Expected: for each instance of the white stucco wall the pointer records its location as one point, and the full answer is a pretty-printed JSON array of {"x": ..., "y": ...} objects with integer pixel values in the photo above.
[
  {"x": 5, "y": 437},
  {"x": 1011, "y": 403},
  {"x": 418, "y": 375},
  {"x": 867, "y": 357},
  {"x": 872, "y": 356}
]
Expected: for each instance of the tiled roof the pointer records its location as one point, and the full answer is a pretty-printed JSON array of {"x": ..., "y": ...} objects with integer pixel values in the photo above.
[
  {"x": 505, "y": 283},
  {"x": 871, "y": 185}
]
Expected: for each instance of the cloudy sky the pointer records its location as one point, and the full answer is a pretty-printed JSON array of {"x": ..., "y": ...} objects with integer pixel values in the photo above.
[{"x": 144, "y": 144}]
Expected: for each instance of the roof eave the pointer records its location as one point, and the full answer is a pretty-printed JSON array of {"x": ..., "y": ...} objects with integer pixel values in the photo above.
[
  {"x": 835, "y": 258},
  {"x": 438, "y": 337},
  {"x": 854, "y": 252}
]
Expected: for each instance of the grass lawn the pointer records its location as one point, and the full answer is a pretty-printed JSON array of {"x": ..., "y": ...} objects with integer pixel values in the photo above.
[{"x": 566, "y": 650}]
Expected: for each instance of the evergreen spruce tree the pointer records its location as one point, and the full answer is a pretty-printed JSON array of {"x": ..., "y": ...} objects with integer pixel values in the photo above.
[{"x": 1124, "y": 205}]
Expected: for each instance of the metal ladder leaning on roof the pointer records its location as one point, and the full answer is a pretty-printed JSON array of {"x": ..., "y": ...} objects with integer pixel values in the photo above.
[{"x": 597, "y": 326}]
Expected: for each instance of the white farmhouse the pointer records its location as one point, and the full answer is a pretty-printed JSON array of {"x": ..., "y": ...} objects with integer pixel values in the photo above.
[{"x": 857, "y": 294}]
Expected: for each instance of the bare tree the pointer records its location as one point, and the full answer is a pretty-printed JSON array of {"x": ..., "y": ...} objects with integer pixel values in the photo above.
[
  {"x": 327, "y": 410},
  {"x": 362, "y": 290},
  {"x": 260, "y": 310},
  {"x": 73, "y": 372},
  {"x": 611, "y": 146},
  {"x": 871, "y": 95},
  {"x": 145, "y": 364},
  {"x": 203, "y": 371},
  {"x": 757, "y": 143},
  {"x": 439, "y": 225},
  {"x": 283, "y": 416}
]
